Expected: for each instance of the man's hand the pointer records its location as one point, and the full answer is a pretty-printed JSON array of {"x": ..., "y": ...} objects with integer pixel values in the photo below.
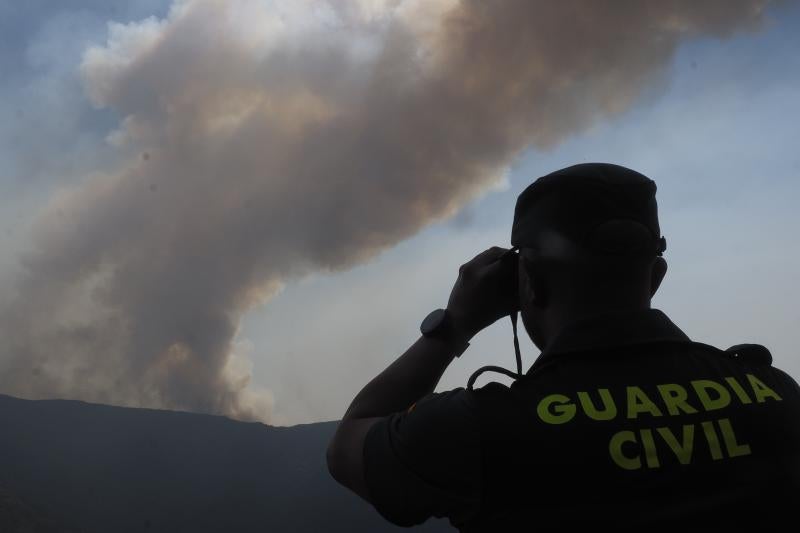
[{"x": 485, "y": 291}]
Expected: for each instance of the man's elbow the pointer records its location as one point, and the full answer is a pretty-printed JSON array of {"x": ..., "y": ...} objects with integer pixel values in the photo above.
[{"x": 345, "y": 454}]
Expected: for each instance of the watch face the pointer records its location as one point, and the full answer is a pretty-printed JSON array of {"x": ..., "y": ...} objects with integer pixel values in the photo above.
[{"x": 432, "y": 322}]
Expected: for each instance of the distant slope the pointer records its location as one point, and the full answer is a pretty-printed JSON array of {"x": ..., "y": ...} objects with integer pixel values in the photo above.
[
  {"x": 18, "y": 517},
  {"x": 99, "y": 469}
]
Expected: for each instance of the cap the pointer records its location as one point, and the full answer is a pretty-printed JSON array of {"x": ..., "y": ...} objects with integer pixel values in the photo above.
[{"x": 576, "y": 200}]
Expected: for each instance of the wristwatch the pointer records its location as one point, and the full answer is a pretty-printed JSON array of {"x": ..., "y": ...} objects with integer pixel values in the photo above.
[{"x": 439, "y": 325}]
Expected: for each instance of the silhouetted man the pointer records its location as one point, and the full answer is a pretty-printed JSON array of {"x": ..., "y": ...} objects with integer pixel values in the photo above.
[{"x": 622, "y": 420}]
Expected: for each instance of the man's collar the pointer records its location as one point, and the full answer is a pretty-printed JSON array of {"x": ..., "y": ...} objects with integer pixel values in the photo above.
[{"x": 619, "y": 328}]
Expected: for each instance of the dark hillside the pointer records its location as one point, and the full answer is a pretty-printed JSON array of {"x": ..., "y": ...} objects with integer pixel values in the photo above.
[{"x": 98, "y": 469}]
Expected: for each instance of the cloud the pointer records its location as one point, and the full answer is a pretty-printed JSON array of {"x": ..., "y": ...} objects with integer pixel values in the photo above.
[{"x": 261, "y": 142}]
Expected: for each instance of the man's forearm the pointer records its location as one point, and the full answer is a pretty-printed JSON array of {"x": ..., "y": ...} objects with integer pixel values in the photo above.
[{"x": 410, "y": 377}]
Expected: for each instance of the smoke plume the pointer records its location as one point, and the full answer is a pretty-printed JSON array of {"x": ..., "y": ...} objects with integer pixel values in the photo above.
[{"x": 261, "y": 141}]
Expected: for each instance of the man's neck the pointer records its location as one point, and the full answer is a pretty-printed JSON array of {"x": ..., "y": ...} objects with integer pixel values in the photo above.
[{"x": 558, "y": 321}]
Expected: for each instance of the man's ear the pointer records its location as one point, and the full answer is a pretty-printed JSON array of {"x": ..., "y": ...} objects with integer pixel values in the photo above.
[
  {"x": 533, "y": 290},
  {"x": 657, "y": 275}
]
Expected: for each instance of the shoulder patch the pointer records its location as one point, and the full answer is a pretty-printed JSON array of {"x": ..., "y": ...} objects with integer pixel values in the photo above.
[{"x": 750, "y": 353}]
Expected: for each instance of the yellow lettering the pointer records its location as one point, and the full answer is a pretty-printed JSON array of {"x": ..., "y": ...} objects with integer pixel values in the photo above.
[
  {"x": 683, "y": 451},
  {"x": 638, "y": 402},
  {"x": 739, "y": 390},
  {"x": 615, "y": 449},
  {"x": 609, "y": 408},
  {"x": 713, "y": 440},
  {"x": 650, "y": 454},
  {"x": 702, "y": 386},
  {"x": 761, "y": 391},
  {"x": 556, "y": 409},
  {"x": 734, "y": 449},
  {"x": 674, "y": 397}
]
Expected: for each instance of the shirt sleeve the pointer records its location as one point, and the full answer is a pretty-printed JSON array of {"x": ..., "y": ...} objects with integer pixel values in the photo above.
[{"x": 426, "y": 461}]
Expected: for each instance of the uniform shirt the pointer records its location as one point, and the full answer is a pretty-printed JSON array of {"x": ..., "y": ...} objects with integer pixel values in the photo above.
[{"x": 621, "y": 421}]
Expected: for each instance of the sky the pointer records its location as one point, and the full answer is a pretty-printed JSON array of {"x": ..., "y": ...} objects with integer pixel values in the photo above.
[{"x": 250, "y": 211}]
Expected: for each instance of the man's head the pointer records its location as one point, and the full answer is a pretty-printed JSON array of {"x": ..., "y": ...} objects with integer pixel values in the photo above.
[{"x": 589, "y": 243}]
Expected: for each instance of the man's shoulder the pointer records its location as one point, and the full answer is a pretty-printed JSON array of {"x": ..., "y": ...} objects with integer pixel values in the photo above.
[
  {"x": 751, "y": 357},
  {"x": 433, "y": 419},
  {"x": 491, "y": 393},
  {"x": 461, "y": 398},
  {"x": 457, "y": 399},
  {"x": 457, "y": 413}
]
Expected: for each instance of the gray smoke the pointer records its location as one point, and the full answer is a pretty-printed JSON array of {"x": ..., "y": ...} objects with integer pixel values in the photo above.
[{"x": 260, "y": 142}]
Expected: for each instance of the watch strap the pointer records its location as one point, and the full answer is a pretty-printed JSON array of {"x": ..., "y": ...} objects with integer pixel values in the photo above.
[{"x": 445, "y": 330}]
